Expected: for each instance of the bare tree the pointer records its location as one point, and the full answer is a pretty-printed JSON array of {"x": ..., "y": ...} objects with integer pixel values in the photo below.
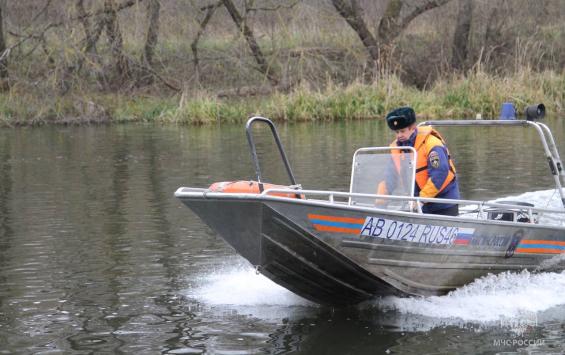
[
  {"x": 153, "y": 10},
  {"x": 92, "y": 33},
  {"x": 4, "y": 83},
  {"x": 210, "y": 9},
  {"x": 241, "y": 24},
  {"x": 114, "y": 34},
  {"x": 496, "y": 42},
  {"x": 460, "y": 49},
  {"x": 351, "y": 12},
  {"x": 495, "y": 24},
  {"x": 389, "y": 27},
  {"x": 392, "y": 23},
  {"x": 147, "y": 73}
]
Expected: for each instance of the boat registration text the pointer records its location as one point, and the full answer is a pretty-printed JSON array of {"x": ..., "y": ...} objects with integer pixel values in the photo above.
[{"x": 411, "y": 232}]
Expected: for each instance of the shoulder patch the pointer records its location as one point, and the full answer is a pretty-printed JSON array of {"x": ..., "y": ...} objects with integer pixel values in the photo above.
[{"x": 434, "y": 159}]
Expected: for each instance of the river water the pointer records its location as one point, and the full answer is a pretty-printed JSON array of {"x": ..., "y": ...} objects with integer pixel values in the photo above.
[{"x": 97, "y": 256}]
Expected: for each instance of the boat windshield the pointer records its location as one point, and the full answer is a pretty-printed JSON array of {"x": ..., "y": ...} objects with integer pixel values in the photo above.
[{"x": 390, "y": 166}]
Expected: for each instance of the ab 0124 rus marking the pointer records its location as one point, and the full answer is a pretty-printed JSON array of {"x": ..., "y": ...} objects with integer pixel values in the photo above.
[{"x": 411, "y": 232}]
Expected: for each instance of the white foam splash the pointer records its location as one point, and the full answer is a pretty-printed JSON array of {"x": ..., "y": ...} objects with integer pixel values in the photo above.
[
  {"x": 542, "y": 199},
  {"x": 488, "y": 299},
  {"x": 554, "y": 263},
  {"x": 240, "y": 285}
]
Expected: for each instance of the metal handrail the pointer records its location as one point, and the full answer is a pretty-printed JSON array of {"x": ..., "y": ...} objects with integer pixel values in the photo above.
[
  {"x": 482, "y": 204},
  {"x": 553, "y": 147},
  {"x": 249, "y": 134},
  {"x": 552, "y": 155}
]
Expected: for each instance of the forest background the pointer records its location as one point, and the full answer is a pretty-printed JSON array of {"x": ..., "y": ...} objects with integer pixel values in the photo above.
[{"x": 190, "y": 61}]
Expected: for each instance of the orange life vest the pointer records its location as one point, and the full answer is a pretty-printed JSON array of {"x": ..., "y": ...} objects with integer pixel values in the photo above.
[{"x": 426, "y": 139}]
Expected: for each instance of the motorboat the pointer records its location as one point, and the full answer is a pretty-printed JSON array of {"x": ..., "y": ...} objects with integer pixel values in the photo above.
[{"x": 341, "y": 248}]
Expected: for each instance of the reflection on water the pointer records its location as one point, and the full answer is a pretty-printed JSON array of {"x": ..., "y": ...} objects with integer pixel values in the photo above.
[{"x": 96, "y": 255}]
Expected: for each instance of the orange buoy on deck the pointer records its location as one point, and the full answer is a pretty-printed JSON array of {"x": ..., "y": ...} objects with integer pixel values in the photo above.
[{"x": 249, "y": 187}]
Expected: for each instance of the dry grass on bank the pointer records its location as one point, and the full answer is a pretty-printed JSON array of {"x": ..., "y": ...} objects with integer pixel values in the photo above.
[{"x": 455, "y": 97}]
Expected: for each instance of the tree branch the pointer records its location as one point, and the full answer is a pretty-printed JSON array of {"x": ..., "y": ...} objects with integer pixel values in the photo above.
[
  {"x": 250, "y": 38},
  {"x": 153, "y": 11},
  {"x": 4, "y": 75},
  {"x": 158, "y": 76},
  {"x": 355, "y": 20},
  {"x": 275, "y": 8},
  {"x": 194, "y": 45},
  {"x": 105, "y": 11},
  {"x": 92, "y": 35},
  {"x": 39, "y": 13},
  {"x": 392, "y": 24},
  {"x": 114, "y": 33},
  {"x": 24, "y": 38},
  {"x": 460, "y": 44},
  {"x": 418, "y": 10},
  {"x": 353, "y": 17}
]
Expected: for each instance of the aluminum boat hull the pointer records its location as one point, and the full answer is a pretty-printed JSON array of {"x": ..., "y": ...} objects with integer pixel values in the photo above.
[{"x": 336, "y": 254}]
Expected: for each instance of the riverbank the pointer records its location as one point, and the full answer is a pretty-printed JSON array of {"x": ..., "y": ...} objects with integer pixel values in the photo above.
[{"x": 454, "y": 97}]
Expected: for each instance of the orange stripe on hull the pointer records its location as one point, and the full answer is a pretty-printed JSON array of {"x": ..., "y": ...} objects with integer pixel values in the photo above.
[
  {"x": 550, "y": 242},
  {"x": 336, "y": 229},
  {"x": 336, "y": 219},
  {"x": 538, "y": 251}
]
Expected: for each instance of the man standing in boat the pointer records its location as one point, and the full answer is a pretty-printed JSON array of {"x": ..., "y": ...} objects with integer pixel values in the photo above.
[{"x": 435, "y": 171}]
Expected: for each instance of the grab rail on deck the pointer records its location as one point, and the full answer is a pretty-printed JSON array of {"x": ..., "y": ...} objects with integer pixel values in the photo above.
[
  {"x": 331, "y": 195},
  {"x": 249, "y": 133}
]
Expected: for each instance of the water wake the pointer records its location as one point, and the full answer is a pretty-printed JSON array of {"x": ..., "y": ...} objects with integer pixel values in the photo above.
[
  {"x": 503, "y": 299},
  {"x": 492, "y": 298}
]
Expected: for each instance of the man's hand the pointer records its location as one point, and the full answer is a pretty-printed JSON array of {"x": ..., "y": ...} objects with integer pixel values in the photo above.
[
  {"x": 381, "y": 190},
  {"x": 381, "y": 202},
  {"x": 415, "y": 206}
]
